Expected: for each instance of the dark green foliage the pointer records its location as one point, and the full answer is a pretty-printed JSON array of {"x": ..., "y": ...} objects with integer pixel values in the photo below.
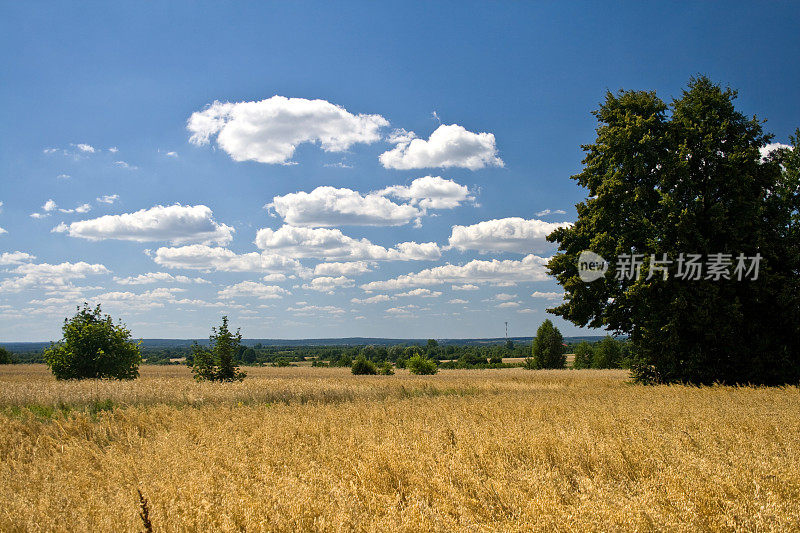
[
  {"x": 421, "y": 365},
  {"x": 688, "y": 178},
  {"x": 93, "y": 347},
  {"x": 343, "y": 360},
  {"x": 5, "y": 357},
  {"x": 584, "y": 355},
  {"x": 363, "y": 366},
  {"x": 385, "y": 369},
  {"x": 607, "y": 353},
  {"x": 217, "y": 363},
  {"x": 547, "y": 350}
]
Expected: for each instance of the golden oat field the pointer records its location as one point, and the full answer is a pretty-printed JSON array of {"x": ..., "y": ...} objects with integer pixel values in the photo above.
[{"x": 318, "y": 449}]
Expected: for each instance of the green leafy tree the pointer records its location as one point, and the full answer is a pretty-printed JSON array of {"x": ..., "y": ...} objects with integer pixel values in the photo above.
[
  {"x": 689, "y": 178},
  {"x": 217, "y": 363},
  {"x": 607, "y": 353},
  {"x": 547, "y": 350},
  {"x": 421, "y": 365},
  {"x": 584, "y": 354},
  {"x": 5, "y": 357},
  {"x": 93, "y": 347}
]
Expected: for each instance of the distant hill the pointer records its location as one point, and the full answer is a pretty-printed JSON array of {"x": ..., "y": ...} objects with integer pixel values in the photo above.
[{"x": 23, "y": 347}]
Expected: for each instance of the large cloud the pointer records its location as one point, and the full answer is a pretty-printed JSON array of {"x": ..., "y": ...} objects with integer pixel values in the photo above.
[
  {"x": 253, "y": 289},
  {"x": 202, "y": 257},
  {"x": 328, "y": 284},
  {"x": 268, "y": 131},
  {"x": 46, "y": 275},
  {"x": 497, "y": 272},
  {"x": 342, "y": 269},
  {"x": 156, "y": 277},
  {"x": 448, "y": 146},
  {"x": 512, "y": 234},
  {"x": 177, "y": 224},
  {"x": 431, "y": 192},
  {"x": 16, "y": 258},
  {"x": 329, "y": 206},
  {"x": 332, "y": 244}
]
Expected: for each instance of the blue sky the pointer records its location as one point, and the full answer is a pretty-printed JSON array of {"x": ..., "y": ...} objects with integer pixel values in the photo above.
[{"x": 110, "y": 136}]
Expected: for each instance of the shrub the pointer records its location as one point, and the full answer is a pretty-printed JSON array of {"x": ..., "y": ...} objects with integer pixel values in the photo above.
[
  {"x": 385, "y": 369},
  {"x": 216, "y": 363},
  {"x": 584, "y": 355},
  {"x": 363, "y": 366},
  {"x": 548, "y": 347},
  {"x": 421, "y": 365},
  {"x": 93, "y": 347},
  {"x": 529, "y": 364}
]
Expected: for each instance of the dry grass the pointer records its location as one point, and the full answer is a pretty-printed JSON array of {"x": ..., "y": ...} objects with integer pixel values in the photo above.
[{"x": 298, "y": 449}]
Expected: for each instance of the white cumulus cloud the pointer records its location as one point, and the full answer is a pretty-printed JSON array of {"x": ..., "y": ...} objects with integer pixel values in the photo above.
[
  {"x": 253, "y": 289},
  {"x": 269, "y": 131},
  {"x": 351, "y": 268},
  {"x": 175, "y": 223},
  {"x": 332, "y": 244},
  {"x": 422, "y": 293},
  {"x": 431, "y": 192},
  {"x": 203, "y": 257},
  {"x": 448, "y": 146},
  {"x": 513, "y": 234},
  {"x": 498, "y": 272},
  {"x": 329, "y": 206},
  {"x": 15, "y": 258},
  {"x": 107, "y": 199},
  {"x": 328, "y": 284},
  {"x": 156, "y": 277}
]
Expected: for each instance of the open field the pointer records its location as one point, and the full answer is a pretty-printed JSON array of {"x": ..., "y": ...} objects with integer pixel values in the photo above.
[{"x": 319, "y": 449}]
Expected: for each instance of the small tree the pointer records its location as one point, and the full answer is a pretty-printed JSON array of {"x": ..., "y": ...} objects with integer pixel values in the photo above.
[
  {"x": 217, "y": 362},
  {"x": 421, "y": 365},
  {"x": 385, "y": 369},
  {"x": 584, "y": 354},
  {"x": 363, "y": 366},
  {"x": 93, "y": 347},
  {"x": 5, "y": 357},
  {"x": 548, "y": 347},
  {"x": 607, "y": 353}
]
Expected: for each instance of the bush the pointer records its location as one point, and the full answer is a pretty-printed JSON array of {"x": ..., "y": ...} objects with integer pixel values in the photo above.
[
  {"x": 363, "y": 367},
  {"x": 385, "y": 369},
  {"x": 584, "y": 355},
  {"x": 216, "y": 363},
  {"x": 421, "y": 365},
  {"x": 93, "y": 347},
  {"x": 529, "y": 364},
  {"x": 548, "y": 347}
]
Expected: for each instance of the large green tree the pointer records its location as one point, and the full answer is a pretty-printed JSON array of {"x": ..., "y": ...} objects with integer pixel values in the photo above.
[
  {"x": 688, "y": 178},
  {"x": 93, "y": 347},
  {"x": 547, "y": 350}
]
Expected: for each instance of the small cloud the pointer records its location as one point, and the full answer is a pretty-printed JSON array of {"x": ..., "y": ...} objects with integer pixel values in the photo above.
[
  {"x": 457, "y": 301},
  {"x": 546, "y": 212},
  {"x": 86, "y": 148},
  {"x": 107, "y": 199},
  {"x": 124, "y": 164},
  {"x": 171, "y": 154},
  {"x": 340, "y": 164},
  {"x": 113, "y": 149},
  {"x": 50, "y": 150},
  {"x": 85, "y": 208},
  {"x": 49, "y": 205},
  {"x": 63, "y": 176}
]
